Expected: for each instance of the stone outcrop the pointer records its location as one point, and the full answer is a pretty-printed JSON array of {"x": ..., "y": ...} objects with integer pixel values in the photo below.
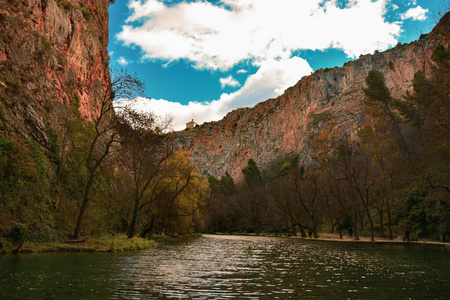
[
  {"x": 53, "y": 56},
  {"x": 285, "y": 124}
]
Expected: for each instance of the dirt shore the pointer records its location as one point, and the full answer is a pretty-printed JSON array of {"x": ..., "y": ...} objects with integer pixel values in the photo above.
[{"x": 396, "y": 240}]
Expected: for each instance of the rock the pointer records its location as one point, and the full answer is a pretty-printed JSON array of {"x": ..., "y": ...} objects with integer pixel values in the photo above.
[
  {"x": 285, "y": 124},
  {"x": 51, "y": 51}
]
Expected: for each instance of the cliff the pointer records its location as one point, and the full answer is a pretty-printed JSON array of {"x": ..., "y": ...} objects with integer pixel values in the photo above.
[
  {"x": 285, "y": 124},
  {"x": 53, "y": 56}
]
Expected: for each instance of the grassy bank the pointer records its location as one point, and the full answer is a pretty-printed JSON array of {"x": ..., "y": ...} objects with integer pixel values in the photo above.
[{"x": 118, "y": 243}]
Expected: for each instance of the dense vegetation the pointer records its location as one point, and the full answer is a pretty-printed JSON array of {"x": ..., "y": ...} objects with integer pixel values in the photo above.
[
  {"x": 395, "y": 177},
  {"x": 119, "y": 173}
]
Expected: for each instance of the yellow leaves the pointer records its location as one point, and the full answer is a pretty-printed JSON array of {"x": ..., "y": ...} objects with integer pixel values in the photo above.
[{"x": 176, "y": 194}]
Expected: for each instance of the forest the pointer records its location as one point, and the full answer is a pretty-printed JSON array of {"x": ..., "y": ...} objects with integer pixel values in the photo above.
[
  {"x": 395, "y": 177},
  {"x": 122, "y": 173},
  {"x": 119, "y": 174}
]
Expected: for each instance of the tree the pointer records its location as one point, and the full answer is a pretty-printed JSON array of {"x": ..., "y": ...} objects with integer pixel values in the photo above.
[
  {"x": 332, "y": 156},
  {"x": 381, "y": 103},
  {"x": 219, "y": 205},
  {"x": 24, "y": 186},
  {"x": 380, "y": 144},
  {"x": 360, "y": 177},
  {"x": 144, "y": 148},
  {"x": 310, "y": 197},
  {"x": 287, "y": 204},
  {"x": 254, "y": 200},
  {"x": 97, "y": 142},
  {"x": 227, "y": 185},
  {"x": 175, "y": 200},
  {"x": 252, "y": 175},
  {"x": 428, "y": 109}
]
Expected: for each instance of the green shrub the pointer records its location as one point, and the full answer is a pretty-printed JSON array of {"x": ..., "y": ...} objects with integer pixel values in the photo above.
[{"x": 17, "y": 233}]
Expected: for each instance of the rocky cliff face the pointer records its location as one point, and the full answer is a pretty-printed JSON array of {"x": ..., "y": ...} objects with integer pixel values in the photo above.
[
  {"x": 53, "y": 56},
  {"x": 284, "y": 125}
]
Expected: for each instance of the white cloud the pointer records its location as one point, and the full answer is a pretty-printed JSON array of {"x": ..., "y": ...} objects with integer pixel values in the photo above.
[
  {"x": 272, "y": 78},
  {"x": 394, "y": 6},
  {"x": 229, "y": 81},
  {"x": 220, "y": 36},
  {"x": 261, "y": 32},
  {"x": 122, "y": 61},
  {"x": 415, "y": 13}
]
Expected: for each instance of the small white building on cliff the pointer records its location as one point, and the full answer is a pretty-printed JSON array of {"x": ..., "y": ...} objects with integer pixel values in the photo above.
[{"x": 191, "y": 124}]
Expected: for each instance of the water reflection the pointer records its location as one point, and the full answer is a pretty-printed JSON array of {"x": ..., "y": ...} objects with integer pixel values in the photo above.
[
  {"x": 221, "y": 267},
  {"x": 224, "y": 267}
]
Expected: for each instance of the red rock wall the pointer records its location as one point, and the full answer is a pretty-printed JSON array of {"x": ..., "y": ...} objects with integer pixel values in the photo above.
[
  {"x": 283, "y": 125},
  {"x": 51, "y": 52}
]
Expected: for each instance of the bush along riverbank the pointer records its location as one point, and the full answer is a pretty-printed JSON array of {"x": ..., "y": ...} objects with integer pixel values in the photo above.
[{"x": 107, "y": 243}]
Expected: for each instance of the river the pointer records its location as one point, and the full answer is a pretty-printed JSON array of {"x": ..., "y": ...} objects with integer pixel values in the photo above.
[{"x": 224, "y": 267}]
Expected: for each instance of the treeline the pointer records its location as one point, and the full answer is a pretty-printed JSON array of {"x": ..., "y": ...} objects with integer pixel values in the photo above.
[
  {"x": 119, "y": 173},
  {"x": 396, "y": 176}
]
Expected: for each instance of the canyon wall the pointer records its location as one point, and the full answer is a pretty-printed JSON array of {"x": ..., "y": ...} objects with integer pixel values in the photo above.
[
  {"x": 53, "y": 56},
  {"x": 285, "y": 124}
]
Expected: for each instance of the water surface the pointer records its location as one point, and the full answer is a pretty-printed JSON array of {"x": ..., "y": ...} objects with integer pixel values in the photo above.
[{"x": 224, "y": 267}]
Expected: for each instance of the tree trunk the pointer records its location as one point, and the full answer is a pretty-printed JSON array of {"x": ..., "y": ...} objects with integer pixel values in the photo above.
[
  {"x": 302, "y": 231},
  {"x": 148, "y": 229},
  {"x": 361, "y": 220},
  {"x": 389, "y": 219},
  {"x": 22, "y": 241},
  {"x": 77, "y": 231},
  {"x": 315, "y": 231},
  {"x": 381, "y": 214},
  {"x": 144, "y": 232},
  {"x": 355, "y": 220},
  {"x": 137, "y": 203},
  {"x": 132, "y": 229},
  {"x": 355, "y": 231},
  {"x": 355, "y": 225},
  {"x": 372, "y": 237}
]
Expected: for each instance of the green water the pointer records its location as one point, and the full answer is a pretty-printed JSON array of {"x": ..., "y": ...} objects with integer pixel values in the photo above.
[{"x": 224, "y": 267}]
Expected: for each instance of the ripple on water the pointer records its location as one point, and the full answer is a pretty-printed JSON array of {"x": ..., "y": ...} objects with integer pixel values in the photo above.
[
  {"x": 227, "y": 267},
  {"x": 222, "y": 267}
]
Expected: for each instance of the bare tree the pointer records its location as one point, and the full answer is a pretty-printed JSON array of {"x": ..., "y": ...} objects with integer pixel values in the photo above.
[{"x": 104, "y": 133}]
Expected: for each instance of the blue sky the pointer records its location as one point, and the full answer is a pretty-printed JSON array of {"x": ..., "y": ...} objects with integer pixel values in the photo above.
[{"x": 201, "y": 59}]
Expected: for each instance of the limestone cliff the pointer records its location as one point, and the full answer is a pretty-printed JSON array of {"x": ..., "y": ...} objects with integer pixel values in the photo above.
[
  {"x": 285, "y": 124},
  {"x": 53, "y": 55}
]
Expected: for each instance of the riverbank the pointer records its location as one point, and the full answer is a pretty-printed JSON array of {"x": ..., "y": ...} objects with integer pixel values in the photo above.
[
  {"x": 118, "y": 243},
  {"x": 331, "y": 237},
  {"x": 397, "y": 239}
]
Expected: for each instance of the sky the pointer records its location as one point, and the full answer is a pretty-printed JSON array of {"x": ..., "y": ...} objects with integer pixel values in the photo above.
[{"x": 201, "y": 59}]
